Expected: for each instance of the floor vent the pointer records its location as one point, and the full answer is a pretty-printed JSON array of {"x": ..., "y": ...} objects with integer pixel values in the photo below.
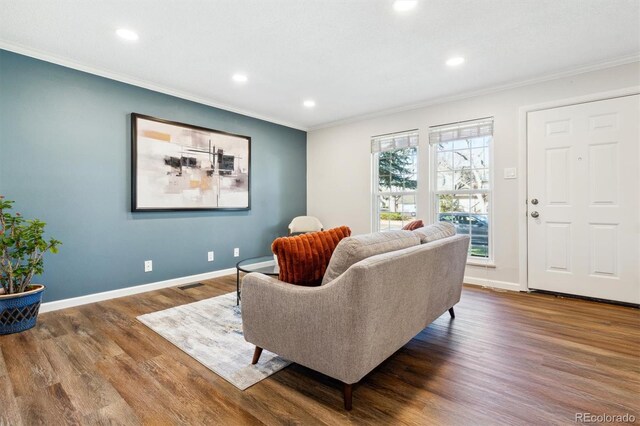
[{"x": 188, "y": 286}]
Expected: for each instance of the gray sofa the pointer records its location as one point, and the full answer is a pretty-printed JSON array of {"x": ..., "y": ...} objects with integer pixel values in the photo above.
[{"x": 350, "y": 324}]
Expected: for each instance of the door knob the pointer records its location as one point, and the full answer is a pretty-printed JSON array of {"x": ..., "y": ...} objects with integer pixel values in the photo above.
[
  {"x": 534, "y": 201},
  {"x": 534, "y": 215}
]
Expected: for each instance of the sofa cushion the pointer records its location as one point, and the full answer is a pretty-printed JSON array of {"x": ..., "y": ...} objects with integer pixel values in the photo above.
[
  {"x": 303, "y": 259},
  {"x": 354, "y": 249},
  {"x": 435, "y": 232},
  {"x": 413, "y": 225}
]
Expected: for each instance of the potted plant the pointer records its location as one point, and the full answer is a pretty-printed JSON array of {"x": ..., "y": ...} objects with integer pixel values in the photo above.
[{"x": 22, "y": 247}]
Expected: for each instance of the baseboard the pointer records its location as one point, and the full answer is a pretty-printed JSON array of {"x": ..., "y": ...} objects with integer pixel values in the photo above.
[
  {"x": 128, "y": 291},
  {"x": 504, "y": 285},
  {"x": 113, "y": 294}
]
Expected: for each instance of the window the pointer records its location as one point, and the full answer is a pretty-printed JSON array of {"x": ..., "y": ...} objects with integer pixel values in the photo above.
[
  {"x": 461, "y": 176},
  {"x": 395, "y": 177}
]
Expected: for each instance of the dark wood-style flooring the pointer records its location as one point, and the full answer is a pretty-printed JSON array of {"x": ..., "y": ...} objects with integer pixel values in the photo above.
[{"x": 507, "y": 358}]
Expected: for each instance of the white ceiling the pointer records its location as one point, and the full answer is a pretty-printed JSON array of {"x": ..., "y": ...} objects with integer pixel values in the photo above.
[{"x": 354, "y": 57}]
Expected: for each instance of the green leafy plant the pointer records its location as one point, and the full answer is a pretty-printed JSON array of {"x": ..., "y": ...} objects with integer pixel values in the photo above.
[
  {"x": 396, "y": 169},
  {"x": 394, "y": 216},
  {"x": 22, "y": 247}
]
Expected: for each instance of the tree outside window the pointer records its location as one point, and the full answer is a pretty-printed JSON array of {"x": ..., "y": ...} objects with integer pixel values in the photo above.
[
  {"x": 461, "y": 175},
  {"x": 395, "y": 172}
]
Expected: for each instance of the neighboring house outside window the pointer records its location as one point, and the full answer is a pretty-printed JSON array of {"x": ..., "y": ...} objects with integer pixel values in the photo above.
[
  {"x": 461, "y": 181},
  {"x": 395, "y": 180}
]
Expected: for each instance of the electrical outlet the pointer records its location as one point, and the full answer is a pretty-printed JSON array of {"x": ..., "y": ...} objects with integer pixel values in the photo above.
[
  {"x": 148, "y": 265},
  {"x": 236, "y": 252},
  {"x": 210, "y": 256}
]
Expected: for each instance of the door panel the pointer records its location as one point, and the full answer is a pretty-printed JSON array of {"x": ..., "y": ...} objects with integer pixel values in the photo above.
[
  {"x": 603, "y": 256},
  {"x": 558, "y": 247},
  {"x": 603, "y": 178},
  {"x": 558, "y": 184},
  {"x": 583, "y": 168}
]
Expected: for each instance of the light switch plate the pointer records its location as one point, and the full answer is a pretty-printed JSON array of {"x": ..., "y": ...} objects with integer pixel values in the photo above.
[{"x": 510, "y": 173}]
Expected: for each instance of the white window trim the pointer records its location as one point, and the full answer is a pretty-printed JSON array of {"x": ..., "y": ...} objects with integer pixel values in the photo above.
[{"x": 488, "y": 262}]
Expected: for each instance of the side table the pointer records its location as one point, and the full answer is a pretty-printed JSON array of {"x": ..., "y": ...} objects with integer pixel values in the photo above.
[{"x": 263, "y": 264}]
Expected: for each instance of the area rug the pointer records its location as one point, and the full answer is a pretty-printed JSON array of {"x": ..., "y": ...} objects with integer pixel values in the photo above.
[{"x": 210, "y": 331}]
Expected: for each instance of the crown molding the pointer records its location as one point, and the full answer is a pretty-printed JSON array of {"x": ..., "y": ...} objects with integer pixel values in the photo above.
[
  {"x": 68, "y": 63},
  {"x": 37, "y": 54},
  {"x": 481, "y": 92}
]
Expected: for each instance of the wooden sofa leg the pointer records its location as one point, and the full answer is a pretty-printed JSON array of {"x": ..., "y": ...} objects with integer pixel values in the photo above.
[
  {"x": 453, "y": 314},
  {"x": 347, "y": 394},
  {"x": 256, "y": 355}
]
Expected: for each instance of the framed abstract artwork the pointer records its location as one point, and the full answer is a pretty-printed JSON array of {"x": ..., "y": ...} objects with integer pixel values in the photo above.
[{"x": 177, "y": 166}]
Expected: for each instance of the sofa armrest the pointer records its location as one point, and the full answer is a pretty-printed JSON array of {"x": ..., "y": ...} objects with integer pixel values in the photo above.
[{"x": 301, "y": 324}]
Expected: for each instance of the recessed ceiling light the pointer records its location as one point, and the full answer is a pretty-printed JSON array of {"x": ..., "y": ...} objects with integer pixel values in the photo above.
[
  {"x": 309, "y": 103},
  {"x": 239, "y": 78},
  {"x": 127, "y": 34},
  {"x": 404, "y": 5},
  {"x": 455, "y": 61}
]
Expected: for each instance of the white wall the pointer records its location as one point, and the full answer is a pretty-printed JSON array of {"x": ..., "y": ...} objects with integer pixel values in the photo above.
[{"x": 339, "y": 159}]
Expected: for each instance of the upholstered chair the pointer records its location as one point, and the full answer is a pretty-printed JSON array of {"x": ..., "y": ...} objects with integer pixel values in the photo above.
[{"x": 303, "y": 224}]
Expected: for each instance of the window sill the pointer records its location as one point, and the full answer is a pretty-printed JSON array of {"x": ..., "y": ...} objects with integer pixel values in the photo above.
[{"x": 481, "y": 263}]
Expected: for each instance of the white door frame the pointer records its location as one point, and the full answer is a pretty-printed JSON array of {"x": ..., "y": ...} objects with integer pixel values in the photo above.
[{"x": 523, "y": 242}]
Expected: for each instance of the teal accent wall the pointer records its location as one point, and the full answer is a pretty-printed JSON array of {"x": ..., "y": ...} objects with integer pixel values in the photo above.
[{"x": 65, "y": 159}]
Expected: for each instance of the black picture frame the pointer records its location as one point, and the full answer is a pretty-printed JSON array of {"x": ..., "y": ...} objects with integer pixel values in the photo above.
[{"x": 172, "y": 168}]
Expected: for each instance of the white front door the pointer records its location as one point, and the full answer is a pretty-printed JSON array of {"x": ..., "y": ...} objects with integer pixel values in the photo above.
[{"x": 583, "y": 199}]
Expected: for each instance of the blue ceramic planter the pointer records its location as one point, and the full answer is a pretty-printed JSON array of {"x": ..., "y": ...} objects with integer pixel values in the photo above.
[{"x": 19, "y": 312}]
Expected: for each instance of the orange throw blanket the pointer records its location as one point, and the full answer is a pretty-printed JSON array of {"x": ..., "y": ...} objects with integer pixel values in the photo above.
[{"x": 304, "y": 258}]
